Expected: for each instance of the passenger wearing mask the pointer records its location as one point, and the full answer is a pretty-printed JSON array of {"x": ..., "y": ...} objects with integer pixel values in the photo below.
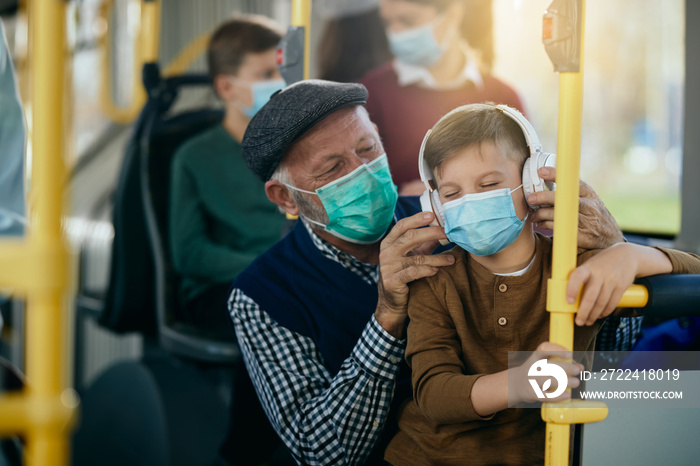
[
  {"x": 434, "y": 71},
  {"x": 466, "y": 320},
  {"x": 320, "y": 316},
  {"x": 220, "y": 218},
  {"x": 12, "y": 142}
]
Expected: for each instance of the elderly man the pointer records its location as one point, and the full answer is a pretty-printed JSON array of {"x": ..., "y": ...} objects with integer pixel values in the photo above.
[{"x": 320, "y": 317}]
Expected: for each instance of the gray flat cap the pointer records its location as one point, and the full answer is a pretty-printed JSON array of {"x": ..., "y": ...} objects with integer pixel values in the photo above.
[{"x": 290, "y": 113}]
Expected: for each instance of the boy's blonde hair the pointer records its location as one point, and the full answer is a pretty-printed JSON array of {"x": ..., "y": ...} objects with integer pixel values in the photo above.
[{"x": 470, "y": 125}]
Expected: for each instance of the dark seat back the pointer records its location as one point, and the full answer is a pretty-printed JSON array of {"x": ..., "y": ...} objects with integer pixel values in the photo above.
[
  {"x": 142, "y": 295},
  {"x": 130, "y": 301}
]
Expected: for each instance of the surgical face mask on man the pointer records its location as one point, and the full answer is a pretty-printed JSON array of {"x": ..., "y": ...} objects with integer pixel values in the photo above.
[
  {"x": 261, "y": 91},
  {"x": 360, "y": 205},
  {"x": 417, "y": 46},
  {"x": 483, "y": 223}
]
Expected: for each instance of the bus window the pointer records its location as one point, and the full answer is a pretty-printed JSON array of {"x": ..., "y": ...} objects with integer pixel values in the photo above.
[{"x": 633, "y": 100}]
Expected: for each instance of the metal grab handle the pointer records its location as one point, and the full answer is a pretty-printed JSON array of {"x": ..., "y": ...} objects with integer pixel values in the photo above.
[
  {"x": 145, "y": 51},
  {"x": 666, "y": 296}
]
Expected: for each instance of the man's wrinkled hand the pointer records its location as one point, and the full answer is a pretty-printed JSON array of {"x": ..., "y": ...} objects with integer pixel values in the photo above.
[
  {"x": 405, "y": 256},
  {"x": 597, "y": 229}
]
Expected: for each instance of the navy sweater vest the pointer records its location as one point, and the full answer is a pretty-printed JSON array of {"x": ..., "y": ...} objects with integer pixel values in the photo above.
[{"x": 312, "y": 295}]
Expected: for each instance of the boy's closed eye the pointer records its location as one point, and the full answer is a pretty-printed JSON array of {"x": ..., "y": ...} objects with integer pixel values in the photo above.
[{"x": 450, "y": 195}]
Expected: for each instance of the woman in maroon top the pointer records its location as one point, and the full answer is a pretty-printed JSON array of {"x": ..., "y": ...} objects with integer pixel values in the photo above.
[{"x": 434, "y": 71}]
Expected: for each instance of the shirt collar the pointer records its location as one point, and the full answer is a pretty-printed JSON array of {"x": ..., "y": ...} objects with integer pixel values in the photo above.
[
  {"x": 368, "y": 272},
  {"x": 411, "y": 74}
]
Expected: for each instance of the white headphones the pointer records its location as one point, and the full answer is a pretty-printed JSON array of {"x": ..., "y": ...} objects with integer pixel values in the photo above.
[{"x": 532, "y": 183}]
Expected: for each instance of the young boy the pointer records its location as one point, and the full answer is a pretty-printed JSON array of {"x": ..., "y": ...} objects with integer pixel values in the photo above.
[
  {"x": 220, "y": 218},
  {"x": 467, "y": 317}
]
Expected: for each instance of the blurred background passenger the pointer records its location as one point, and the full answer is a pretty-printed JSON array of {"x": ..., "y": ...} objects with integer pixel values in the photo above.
[
  {"x": 353, "y": 40},
  {"x": 220, "y": 217},
  {"x": 434, "y": 70},
  {"x": 12, "y": 141}
]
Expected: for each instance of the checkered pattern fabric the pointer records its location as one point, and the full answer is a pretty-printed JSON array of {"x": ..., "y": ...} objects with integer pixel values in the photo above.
[{"x": 323, "y": 418}]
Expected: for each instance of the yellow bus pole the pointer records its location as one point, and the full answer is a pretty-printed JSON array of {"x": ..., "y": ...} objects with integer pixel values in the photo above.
[
  {"x": 560, "y": 416},
  {"x": 301, "y": 17},
  {"x": 38, "y": 267}
]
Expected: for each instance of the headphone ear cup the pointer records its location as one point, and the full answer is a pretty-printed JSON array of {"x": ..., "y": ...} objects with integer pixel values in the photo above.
[
  {"x": 437, "y": 208},
  {"x": 528, "y": 185},
  {"x": 430, "y": 202},
  {"x": 532, "y": 183},
  {"x": 439, "y": 213},
  {"x": 426, "y": 205}
]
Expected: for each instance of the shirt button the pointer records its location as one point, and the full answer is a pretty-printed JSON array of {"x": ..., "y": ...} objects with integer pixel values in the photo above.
[
  {"x": 502, "y": 321},
  {"x": 394, "y": 360},
  {"x": 502, "y": 287},
  {"x": 375, "y": 424}
]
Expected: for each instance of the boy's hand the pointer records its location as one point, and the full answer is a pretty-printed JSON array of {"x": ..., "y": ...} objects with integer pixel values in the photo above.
[
  {"x": 554, "y": 354},
  {"x": 405, "y": 255},
  {"x": 604, "y": 278},
  {"x": 597, "y": 229}
]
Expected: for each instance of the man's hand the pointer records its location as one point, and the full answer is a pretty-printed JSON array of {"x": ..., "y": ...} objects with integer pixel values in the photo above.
[
  {"x": 597, "y": 229},
  {"x": 405, "y": 255}
]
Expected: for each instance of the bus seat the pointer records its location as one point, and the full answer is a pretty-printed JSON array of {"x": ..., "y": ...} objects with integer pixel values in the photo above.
[
  {"x": 129, "y": 302},
  {"x": 672, "y": 295},
  {"x": 142, "y": 294},
  {"x": 122, "y": 420},
  {"x": 154, "y": 412}
]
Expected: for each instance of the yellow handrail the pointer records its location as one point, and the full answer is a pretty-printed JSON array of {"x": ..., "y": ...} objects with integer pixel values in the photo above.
[
  {"x": 188, "y": 55},
  {"x": 301, "y": 17},
  {"x": 38, "y": 266},
  {"x": 560, "y": 416},
  {"x": 145, "y": 51}
]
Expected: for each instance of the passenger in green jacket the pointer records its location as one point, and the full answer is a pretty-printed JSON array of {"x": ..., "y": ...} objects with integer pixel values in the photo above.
[{"x": 220, "y": 217}]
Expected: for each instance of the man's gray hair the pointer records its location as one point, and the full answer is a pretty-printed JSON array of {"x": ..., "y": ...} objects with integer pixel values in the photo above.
[{"x": 307, "y": 208}]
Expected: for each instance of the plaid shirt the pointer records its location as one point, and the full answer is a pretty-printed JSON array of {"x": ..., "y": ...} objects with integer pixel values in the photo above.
[
  {"x": 325, "y": 419},
  {"x": 322, "y": 418}
]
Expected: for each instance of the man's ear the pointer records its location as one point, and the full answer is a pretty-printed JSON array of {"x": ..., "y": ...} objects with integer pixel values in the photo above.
[
  {"x": 224, "y": 87},
  {"x": 279, "y": 194}
]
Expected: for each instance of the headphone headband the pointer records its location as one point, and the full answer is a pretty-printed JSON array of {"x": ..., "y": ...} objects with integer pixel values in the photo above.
[
  {"x": 430, "y": 200},
  {"x": 423, "y": 169},
  {"x": 531, "y": 139}
]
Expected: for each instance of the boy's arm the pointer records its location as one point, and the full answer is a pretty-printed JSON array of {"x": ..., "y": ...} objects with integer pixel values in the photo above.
[
  {"x": 442, "y": 388},
  {"x": 607, "y": 275},
  {"x": 495, "y": 392}
]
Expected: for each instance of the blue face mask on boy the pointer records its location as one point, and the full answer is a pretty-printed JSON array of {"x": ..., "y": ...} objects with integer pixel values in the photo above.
[
  {"x": 417, "y": 46},
  {"x": 261, "y": 91},
  {"x": 360, "y": 205},
  {"x": 483, "y": 223}
]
